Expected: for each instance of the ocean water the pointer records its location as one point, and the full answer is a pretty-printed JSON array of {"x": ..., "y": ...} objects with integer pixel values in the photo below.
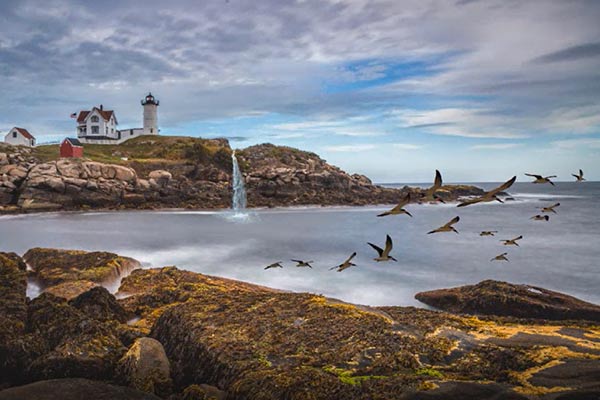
[{"x": 562, "y": 254}]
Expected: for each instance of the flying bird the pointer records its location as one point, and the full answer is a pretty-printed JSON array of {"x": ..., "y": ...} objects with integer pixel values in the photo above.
[
  {"x": 512, "y": 242},
  {"x": 491, "y": 195},
  {"x": 300, "y": 263},
  {"x": 345, "y": 264},
  {"x": 542, "y": 179},
  {"x": 500, "y": 257},
  {"x": 488, "y": 233},
  {"x": 540, "y": 218},
  {"x": 447, "y": 227},
  {"x": 399, "y": 208},
  {"x": 274, "y": 265},
  {"x": 384, "y": 254},
  {"x": 429, "y": 194},
  {"x": 551, "y": 208},
  {"x": 579, "y": 177}
]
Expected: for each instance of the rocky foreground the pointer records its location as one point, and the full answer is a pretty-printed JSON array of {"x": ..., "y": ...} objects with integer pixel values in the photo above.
[
  {"x": 179, "y": 335},
  {"x": 170, "y": 172}
]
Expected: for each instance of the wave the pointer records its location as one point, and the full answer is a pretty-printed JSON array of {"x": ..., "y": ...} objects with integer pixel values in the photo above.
[{"x": 546, "y": 196}]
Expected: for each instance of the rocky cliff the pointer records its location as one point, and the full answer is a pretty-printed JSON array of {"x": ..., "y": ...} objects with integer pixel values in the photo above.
[
  {"x": 196, "y": 336},
  {"x": 168, "y": 172}
]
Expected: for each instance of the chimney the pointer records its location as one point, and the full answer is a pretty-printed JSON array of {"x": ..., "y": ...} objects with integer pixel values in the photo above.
[{"x": 101, "y": 107}]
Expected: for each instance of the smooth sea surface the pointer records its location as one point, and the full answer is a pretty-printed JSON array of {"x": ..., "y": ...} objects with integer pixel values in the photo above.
[{"x": 562, "y": 254}]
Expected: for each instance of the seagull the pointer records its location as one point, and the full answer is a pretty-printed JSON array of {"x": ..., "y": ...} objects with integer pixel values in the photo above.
[
  {"x": 345, "y": 264},
  {"x": 579, "y": 177},
  {"x": 448, "y": 227},
  {"x": 300, "y": 263},
  {"x": 540, "y": 218},
  {"x": 429, "y": 194},
  {"x": 384, "y": 255},
  {"x": 551, "y": 208},
  {"x": 500, "y": 257},
  {"x": 274, "y": 265},
  {"x": 488, "y": 233},
  {"x": 512, "y": 242},
  {"x": 491, "y": 195},
  {"x": 542, "y": 179},
  {"x": 399, "y": 208}
]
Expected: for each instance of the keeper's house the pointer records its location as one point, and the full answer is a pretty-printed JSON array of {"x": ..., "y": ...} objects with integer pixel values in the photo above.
[{"x": 19, "y": 137}]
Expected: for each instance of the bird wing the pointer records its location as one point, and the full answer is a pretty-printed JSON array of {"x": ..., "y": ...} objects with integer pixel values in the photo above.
[
  {"x": 555, "y": 205},
  {"x": 388, "y": 245},
  {"x": 576, "y": 176},
  {"x": 434, "y": 231},
  {"x": 437, "y": 183},
  {"x": 377, "y": 248},
  {"x": 453, "y": 221},
  {"x": 297, "y": 261},
  {"x": 470, "y": 201},
  {"x": 350, "y": 258},
  {"x": 403, "y": 202},
  {"x": 551, "y": 176},
  {"x": 517, "y": 238},
  {"x": 534, "y": 176},
  {"x": 581, "y": 173},
  {"x": 502, "y": 187}
]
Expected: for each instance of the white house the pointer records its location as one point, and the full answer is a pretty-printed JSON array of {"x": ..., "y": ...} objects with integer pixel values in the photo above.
[
  {"x": 99, "y": 126},
  {"x": 20, "y": 136}
]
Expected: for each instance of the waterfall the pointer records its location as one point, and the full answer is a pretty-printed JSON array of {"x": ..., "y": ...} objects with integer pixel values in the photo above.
[{"x": 239, "y": 191}]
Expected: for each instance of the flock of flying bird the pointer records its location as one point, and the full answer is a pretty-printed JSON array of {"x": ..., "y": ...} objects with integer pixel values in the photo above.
[{"x": 430, "y": 195}]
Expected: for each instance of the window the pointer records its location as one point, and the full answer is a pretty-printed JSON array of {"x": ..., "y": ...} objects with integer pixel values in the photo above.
[
  {"x": 95, "y": 118},
  {"x": 107, "y": 131},
  {"x": 151, "y": 130},
  {"x": 15, "y": 134},
  {"x": 95, "y": 129}
]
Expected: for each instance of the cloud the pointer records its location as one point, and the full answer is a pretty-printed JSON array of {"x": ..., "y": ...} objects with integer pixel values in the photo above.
[
  {"x": 593, "y": 143},
  {"x": 572, "y": 53},
  {"x": 495, "y": 146},
  {"x": 406, "y": 146},
  {"x": 351, "y": 148},
  {"x": 466, "y": 122}
]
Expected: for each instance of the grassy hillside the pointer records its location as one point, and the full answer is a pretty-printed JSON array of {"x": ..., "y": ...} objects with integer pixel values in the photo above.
[{"x": 148, "y": 149}]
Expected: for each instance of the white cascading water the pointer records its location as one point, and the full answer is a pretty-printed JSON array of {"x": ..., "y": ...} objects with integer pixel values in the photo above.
[{"x": 238, "y": 202}]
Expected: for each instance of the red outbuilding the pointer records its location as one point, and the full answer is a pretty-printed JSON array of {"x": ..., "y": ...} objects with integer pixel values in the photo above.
[{"x": 71, "y": 148}]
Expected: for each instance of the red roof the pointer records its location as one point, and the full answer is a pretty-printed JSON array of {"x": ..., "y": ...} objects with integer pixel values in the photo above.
[
  {"x": 106, "y": 114},
  {"x": 25, "y": 133}
]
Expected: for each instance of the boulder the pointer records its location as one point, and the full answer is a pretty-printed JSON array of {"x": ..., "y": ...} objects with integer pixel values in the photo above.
[
  {"x": 506, "y": 299},
  {"x": 74, "y": 344},
  {"x": 100, "y": 304},
  {"x": 13, "y": 314},
  {"x": 73, "y": 389},
  {"x": 203, "y": 392},
  {"x": 70, "y": 289},
  {"x": 146, "y": 367},
  {"x": 53, "y": 266}
]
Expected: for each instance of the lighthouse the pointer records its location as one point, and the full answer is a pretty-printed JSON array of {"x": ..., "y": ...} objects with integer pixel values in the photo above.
[{"x": 150, "y": 115}]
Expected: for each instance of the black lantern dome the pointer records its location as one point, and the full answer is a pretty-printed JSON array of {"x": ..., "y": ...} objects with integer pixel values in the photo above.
[{"x": 150, "y": 100}]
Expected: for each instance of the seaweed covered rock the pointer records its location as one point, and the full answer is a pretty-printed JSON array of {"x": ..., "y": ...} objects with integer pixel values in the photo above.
[
  {"x": 70, "y": 289},
  {"x": 54, "y": 266},
  {"x": 202, "y": 392},
  {"x": 254, "y": 342},
  {"x": 146, "y": 367},
  {"x": 73, "y": 389},
  {"x": 13, "y": 313},
  {"x": 100, "y": 304},
  {"x": 506, "y": 299},
  {"x": 74, "y": 344}
]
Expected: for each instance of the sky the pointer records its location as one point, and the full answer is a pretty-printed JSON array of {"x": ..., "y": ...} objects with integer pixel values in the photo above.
[{"x": 480, "y": 89}]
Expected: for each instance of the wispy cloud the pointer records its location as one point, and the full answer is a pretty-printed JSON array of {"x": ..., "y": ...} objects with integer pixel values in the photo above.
[
  {"x": 577, "y": 143},
  {"x": 495, "y": 146},
  {"x": 406, "y": 146},
  {"x": 351, "y": 148},
  {"x": 465, "y": 122}
]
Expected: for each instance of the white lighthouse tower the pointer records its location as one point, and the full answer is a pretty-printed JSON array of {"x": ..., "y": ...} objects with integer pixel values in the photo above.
[{"x": 150, "y": 115}]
